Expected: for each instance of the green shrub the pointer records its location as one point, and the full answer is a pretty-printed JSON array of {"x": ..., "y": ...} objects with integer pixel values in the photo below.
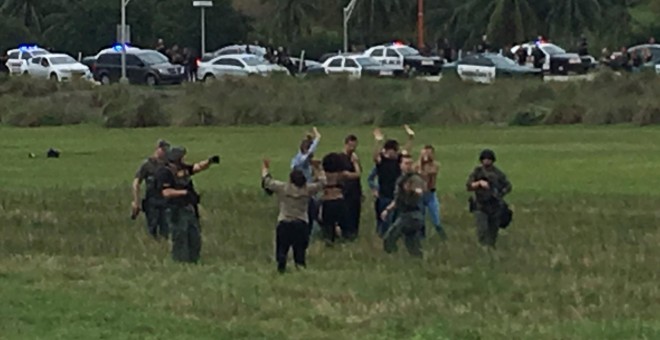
[{"x": 609, "y": 99}]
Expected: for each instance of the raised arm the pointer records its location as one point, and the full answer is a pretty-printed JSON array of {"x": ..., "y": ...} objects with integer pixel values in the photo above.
[
  {"x": 203, "y": 165},
  {"x": 378, "y": 147},
  {"x": 411, "y": 137},
  {"x": 267, "y": 180}
]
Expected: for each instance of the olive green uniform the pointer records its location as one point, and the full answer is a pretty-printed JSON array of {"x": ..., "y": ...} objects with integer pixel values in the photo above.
[
  {"x": 410, "y": 217},
  {"x": 487, "y": 204},
  {"x": 181, "y": 212},
  {"x": 153, "y": 204}
]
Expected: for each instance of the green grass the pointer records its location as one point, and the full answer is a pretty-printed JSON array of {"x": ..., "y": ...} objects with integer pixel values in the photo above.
[{"x": 579, "y": 262}]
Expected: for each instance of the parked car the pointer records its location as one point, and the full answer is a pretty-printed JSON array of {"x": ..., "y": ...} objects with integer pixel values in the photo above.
[
  {"x": 142, "y": 67},
  {"x": 555, "y": 59},
  {"x": 57, "y": 67},
  {"x": 485, "y": 68},
  {"x": 17, "y": 59},
  {"x": 236, "y": 65},
  {"x": 406, "y": 58},
  {"x": 354, "y": 66}
]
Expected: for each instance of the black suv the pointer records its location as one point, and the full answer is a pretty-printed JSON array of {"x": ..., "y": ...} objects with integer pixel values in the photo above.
[{"x": 142, "y": 67}]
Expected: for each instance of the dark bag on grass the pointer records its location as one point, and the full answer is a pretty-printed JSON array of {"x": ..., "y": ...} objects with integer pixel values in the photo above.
[{"x": 506, "y": 215}]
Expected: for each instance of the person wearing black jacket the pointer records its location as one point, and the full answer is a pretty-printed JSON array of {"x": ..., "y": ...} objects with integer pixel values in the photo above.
[{"x": 352, "y": 189}]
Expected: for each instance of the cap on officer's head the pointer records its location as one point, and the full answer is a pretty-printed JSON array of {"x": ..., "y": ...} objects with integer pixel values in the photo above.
[
  {"x": 487, "y": 154},
  {"x": 163, "y": 144},
  {"x": 175, "y": 154}
]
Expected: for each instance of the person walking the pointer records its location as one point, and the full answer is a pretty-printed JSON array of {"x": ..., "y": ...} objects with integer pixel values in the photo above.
[
  {"x": 428, "y": 168},
  {"x": 407, "y": 202},
  {"x": 489, "y": 185},
  {"x": 176, "y": 186},
  {"x": 292, "y": 221},
  {"x": 152, "y": 204}
]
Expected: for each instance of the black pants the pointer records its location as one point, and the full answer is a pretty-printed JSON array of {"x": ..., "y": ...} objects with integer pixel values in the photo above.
[
  {"x": 352, "y": 224},
  {"x": 156, "y": 221},
  {"x": 333, "y": 214},
  {"x": 290, "y": 234}
]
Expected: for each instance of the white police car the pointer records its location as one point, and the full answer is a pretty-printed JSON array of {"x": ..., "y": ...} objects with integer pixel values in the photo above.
[
  {"x": 555, "y": 59},
  {"x": 57, "y": 67},
  {"x": 354, "y": 66},
  {"x": 17, "y": 59},
  {"x": 406, "y": 58}
]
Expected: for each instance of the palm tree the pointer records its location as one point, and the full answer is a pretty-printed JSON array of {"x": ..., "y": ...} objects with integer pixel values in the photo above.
[
  {"x": 27, "y": 10},
  {"x": 295, "y": 17},
  {"x": 568, "y": 19}
]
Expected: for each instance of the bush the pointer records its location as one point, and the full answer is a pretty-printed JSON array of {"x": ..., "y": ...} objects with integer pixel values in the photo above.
[{"x": 337, "y": 101}]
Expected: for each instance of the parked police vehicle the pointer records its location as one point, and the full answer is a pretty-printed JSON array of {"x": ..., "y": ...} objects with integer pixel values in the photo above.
[
  {"x": 17, "y": 59},
  {"x": 486, "y": 67},
  {"x": 555, "y": 60},
  {"x": 354, "y": 66},
  {"x": 405, "y": 58}
]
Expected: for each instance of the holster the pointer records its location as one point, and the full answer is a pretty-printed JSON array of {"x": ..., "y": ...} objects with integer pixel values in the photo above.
[
  {"x": 143, "y": 205},
  {"x": 472, "y": 204}
]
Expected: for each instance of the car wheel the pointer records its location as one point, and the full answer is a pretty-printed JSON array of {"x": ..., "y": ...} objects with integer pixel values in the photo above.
[
  {"x": 209, "y": 77},
  {"x": 105, "y": 80},
  {"x": 151, "y": 80},
  {"x": 53, "y": 77}
]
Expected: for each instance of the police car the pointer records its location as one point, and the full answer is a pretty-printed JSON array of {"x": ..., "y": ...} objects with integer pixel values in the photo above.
[
  {"x": 355, "y": 66},
  {"x": 555, "y": 59},
  {"x": 17, "y": 59},
  {"x": 484, "y": 68},
  {"x": 405, "y": 58}
]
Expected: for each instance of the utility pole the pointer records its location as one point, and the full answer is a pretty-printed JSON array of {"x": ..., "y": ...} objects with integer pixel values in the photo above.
[
  {"x": 203, "y": 5},
  {"x": 420, "y": 24},
  {"x": 348, "y": 11},
  {"x": 123, "y": 78}
]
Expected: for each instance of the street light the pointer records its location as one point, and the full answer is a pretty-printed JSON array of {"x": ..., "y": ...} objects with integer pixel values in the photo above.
[
  {"x": 348, "y": 11},
  {"x": 203, "y": 5},
  {"x": 420, "y": 24},
  {"x": 123, "y": 78}
]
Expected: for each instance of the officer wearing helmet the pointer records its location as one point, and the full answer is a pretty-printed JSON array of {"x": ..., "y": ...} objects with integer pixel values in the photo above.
[
  {"x": 489, "y": 185},
  {"x": 176, "y": 187}
]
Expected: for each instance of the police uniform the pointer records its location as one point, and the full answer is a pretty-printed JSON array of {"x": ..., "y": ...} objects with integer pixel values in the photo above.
[
  {"x": 152, "y": 204},
  {"x": 410, "y": 218},
  {"x": 488, "y": 205},
  {"x": 181, "y": 212}
]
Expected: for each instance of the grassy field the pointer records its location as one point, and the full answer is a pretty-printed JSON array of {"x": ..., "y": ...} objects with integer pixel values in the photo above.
[{"x": 579, "y": 262}]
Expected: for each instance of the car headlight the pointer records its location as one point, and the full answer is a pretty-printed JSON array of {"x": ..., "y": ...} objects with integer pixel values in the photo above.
[{"x": 575, "y": 61}]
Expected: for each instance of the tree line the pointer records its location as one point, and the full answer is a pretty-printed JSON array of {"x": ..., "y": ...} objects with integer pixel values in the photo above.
[{"x": 87, "y": 25}]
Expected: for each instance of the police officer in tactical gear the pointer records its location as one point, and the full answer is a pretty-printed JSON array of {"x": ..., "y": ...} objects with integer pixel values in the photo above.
[
  {"x": 489, "y": 185},
  {"x": 152, "y": 205},
  {"x": 176, "y": 187},
  {"x": 408, "y": 196}
]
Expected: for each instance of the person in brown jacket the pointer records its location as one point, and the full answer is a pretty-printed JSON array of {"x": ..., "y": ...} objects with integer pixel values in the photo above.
[{"x": 292, "y": 221}]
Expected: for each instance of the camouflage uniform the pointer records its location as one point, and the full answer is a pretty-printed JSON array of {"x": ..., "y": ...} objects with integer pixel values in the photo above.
[
  {"x": 181, "y": 212},
  {"x": 410, "y": 218},
  {"x": 153, "y": 204},
  {"x": 487, "y": 204}
]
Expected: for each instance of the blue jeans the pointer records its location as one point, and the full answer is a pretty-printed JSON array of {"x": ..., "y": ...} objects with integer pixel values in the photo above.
[
  {"x": 431, "y": 202},
  {"x": 382, "y": 226}
]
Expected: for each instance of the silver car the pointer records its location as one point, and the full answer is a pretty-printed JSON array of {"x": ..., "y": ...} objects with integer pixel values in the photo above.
[{"x": 233, "y": 65}]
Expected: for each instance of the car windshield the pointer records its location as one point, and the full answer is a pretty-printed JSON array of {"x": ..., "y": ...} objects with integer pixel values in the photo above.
[
  {"x": 553, "y": 49},
  {"x": 407, "y": 51},
  {"x": 367, "y": 62},
  {"x": 63, "y": 60},
  {"x": 153, "y": 58},
  {"x": 501, "y": 61},
  {"x": 252, "y": 61},
  {"x": 38, "y": 52}
]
